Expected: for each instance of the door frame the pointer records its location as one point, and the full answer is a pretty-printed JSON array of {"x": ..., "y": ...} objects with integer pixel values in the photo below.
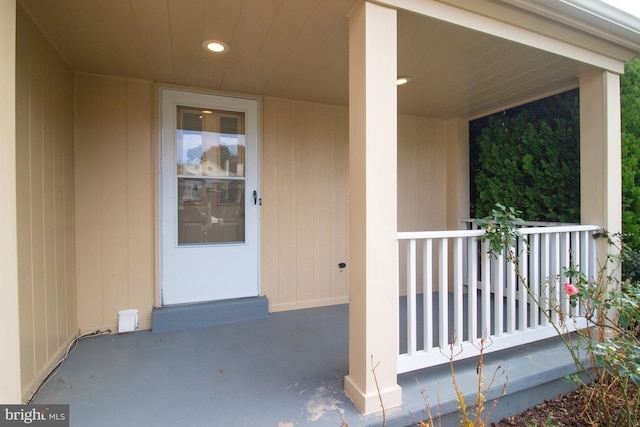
[{"x": 159, "y": 185}]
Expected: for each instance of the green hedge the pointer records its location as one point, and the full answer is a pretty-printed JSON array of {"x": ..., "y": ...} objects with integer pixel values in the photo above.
[
  {"x": 630, "y": 105},
  {"x": 529, "y": 158}
]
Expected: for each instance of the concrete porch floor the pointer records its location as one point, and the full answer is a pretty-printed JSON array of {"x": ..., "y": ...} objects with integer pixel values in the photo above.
[{"x": 285, "y": 370}]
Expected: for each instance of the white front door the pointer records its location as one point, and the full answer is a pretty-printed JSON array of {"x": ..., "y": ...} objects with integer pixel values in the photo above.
[{"x": 209, "y": 197}]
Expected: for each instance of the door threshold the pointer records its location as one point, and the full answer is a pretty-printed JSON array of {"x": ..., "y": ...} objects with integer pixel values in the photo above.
[{"x": 210, "y": 313}]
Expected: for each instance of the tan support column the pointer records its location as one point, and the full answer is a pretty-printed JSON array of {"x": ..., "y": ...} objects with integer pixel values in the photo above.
[
  {"x": 457, "y": 139},
  {"x": 10, "y": 388},
  {"x": 373, "y": 253},
  {"x": 600, "y": 153}
]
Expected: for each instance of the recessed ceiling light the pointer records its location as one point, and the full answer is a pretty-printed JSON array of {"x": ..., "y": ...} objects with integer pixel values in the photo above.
[
  {"x": 403, "y": 80},
  {"x": 215, "y": 46}
]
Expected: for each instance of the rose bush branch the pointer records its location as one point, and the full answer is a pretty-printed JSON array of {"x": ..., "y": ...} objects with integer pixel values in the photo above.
[
  {"x": 611, "y": 307},
  {"x": 501, "y": 231}
]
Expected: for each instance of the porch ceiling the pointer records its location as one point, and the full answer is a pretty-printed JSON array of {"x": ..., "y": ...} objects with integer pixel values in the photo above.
[{"x": 296, "y": 49}]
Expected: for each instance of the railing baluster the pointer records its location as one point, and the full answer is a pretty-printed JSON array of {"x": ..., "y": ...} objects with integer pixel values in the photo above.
[
  {"x": 585, "y": 265},
  {"x": 511, "y": 291},
  {"x": 522, "y": 286},
  {"x": 593, "y": 266},
  {"x": 486, "y": 289},
  {"x": 472, "y": 288},
  {"x": 411, "y": 298},
  {"x": 592, "y": 258},
  {"x": 443, "y": 293},
  {"x": 427, "y": 297},
  {"x": 534, "y": 283},
  {"x": 545, "y": 272},
  {"x": 565, "y": 256},
  {"x": 458, "y": 291},
  {"x": 576, "y": 255},
  {"x": 554, "y": 297},
  {"x": 499, "y": 294}
]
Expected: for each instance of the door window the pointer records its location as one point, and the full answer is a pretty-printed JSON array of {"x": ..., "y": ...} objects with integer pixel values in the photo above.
[{"x": 210, "y": 173}]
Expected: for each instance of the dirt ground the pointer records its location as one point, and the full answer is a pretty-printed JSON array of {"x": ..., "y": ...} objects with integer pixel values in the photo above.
[
  {"x": 563, "y": 411},
  {"x": 568, "y": 410}
]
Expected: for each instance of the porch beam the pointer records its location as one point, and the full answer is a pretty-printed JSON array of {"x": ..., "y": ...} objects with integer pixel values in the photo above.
[
  {"x": 600, "y": 153},
  {"x": 484, "y": 24},
  {"x": 10, "y": 387},
  {"x": 373, "y": 252}
]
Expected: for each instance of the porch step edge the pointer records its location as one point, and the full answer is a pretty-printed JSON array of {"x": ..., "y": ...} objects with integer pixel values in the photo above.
[
  {"x": 534, "y": 372},
  {"x": 497, "y": 407},
  {"x": 202, "y": 314}
]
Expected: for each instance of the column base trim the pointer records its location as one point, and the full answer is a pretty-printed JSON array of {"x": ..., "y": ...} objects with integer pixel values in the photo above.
[{"x": 370, "y": 403}]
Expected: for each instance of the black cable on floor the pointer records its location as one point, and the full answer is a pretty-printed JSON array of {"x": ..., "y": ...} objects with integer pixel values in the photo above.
[{"x": 57, "y": 366}]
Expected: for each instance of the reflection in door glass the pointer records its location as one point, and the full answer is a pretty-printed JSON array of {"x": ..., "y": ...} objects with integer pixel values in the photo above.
[
  {"x": 210, "y": 143},
  {"x": 211, "y": 176},
  {"x": 210, "y": 211}
]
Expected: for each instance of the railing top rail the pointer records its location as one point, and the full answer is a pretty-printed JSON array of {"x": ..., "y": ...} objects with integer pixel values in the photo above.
[
  {"x": 447, "y": 234},
  {"x": 443, "y": 234},
  {"x": 528, "y": 223},
  {"x": 561, "y": 229}
]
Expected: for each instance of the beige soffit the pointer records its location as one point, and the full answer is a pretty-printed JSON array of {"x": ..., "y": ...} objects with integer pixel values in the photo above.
[{"x": 465, "y": 57}]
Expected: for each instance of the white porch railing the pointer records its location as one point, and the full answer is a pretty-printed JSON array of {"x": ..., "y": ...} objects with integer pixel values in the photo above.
[{"x": 456, "y": 293}]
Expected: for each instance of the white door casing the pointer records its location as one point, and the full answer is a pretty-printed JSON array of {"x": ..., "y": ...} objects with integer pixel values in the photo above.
[{"x": 209, "y": 192}]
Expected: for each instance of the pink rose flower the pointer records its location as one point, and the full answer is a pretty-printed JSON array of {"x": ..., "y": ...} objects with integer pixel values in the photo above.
[{"x": 571, "y": 289}]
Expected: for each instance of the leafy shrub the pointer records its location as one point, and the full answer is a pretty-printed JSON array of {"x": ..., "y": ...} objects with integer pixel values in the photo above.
[
  {"x": 611, "y": 308},
  {"x": 630, "y": 109},
  {"x": 519, "y": 157}
]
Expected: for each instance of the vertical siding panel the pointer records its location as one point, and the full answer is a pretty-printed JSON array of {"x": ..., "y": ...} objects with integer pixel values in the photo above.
[
  {"x": 421, "y": 174},
  {"x": 59, "y": 205},
  {"x": 62, "y": 104},
  {"x": 140, "y": 198},
  {"x": 115, "y": 227},
  {"x": 88, "y": 190},
  {"x": 339, "y": 196},
  {"x": 115, "y": 208},
  {"x": 270, "y": 207},
  {"x": 69, "y": 212},
  {"x": 287, "y": 225},
  {"x": 304, "y": 217},
  {"x": 435, "y": 184},
  {"x": 304, "y": 201},
  {"x": 44, "y": 91},
  {"x": 322, "y": 169},
  {"x": 48, "y": 200},
  {"x": 407, "y": 172},
  {"x": 23, "y": 201},
  {"x": 422, "y": 216},
  {"x": 37, "y": 207}
]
